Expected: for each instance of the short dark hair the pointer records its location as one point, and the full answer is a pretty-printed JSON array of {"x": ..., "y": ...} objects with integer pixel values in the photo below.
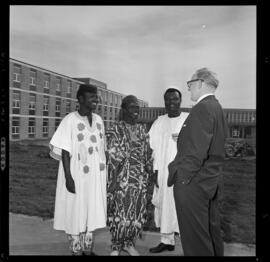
[
  {"x": 128, "y": 99},
  {"x": 83, "y": 88},
  {"x": 171, "y": 90}
]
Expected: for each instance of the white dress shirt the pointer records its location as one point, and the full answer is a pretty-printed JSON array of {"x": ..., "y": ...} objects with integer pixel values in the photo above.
[{"x": 203, "y": 96}]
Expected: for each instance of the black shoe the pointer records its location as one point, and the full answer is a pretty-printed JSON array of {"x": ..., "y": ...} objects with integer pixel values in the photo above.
[
  {"x": 161, "y": 247},
  {"x": 89, "y": 254}
]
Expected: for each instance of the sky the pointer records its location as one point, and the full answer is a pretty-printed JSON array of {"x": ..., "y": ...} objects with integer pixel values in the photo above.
[{"x": 143, "y": 50}]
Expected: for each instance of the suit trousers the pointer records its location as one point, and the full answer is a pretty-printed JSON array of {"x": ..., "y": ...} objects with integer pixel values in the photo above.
[{"x": 199, "y": 220}]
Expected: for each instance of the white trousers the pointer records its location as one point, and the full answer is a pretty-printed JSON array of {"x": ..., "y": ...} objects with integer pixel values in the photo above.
[{"x": 168, "y": 239}]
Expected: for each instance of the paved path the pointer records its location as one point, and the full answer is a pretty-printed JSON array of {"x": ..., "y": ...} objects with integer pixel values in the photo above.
[{"x": 35, "y": 236}]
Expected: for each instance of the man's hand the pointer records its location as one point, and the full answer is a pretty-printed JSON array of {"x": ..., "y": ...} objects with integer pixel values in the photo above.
[
  {"x": 171, "y": 179},
  {"x": 155, "y": 178},
  {"x": 70, "y": 185}
]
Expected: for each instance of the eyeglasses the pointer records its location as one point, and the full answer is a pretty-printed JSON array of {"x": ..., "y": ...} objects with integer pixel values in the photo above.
[{"x": 193, "y": 80}]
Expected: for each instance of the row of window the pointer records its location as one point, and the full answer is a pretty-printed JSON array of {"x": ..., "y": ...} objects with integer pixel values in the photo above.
[
  {"x": 242, "y": 117},
  {"x": 235, "y": 131},
  {"x": 15, "y": 128},
  {"x": 16, "y": 105},
  {"x": 106, "y": 96},
  {"x": 152, "y": 114},
  {"x": 241, "y": 132},
  {"x": 17, "y": 78}
]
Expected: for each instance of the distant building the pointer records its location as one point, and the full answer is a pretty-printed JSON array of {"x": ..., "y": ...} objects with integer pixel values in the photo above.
[
  {"x": 241, "y": 122},
  {"x": 40, "y": 98}
]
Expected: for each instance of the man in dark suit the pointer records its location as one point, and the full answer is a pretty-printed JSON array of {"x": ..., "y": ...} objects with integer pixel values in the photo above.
[{"x": 196, "y": 170}]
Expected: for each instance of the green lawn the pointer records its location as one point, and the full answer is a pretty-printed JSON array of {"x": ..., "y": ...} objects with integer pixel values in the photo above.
[{"x": 33, "y": 177}]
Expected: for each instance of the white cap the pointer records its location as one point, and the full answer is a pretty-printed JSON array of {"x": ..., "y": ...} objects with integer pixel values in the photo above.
[{"x": 172, "y": 86}]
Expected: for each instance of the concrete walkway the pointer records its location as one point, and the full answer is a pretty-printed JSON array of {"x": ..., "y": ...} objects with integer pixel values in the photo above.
[{"x": 35, "y": 236}]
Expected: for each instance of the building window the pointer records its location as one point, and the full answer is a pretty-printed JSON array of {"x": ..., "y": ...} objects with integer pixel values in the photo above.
[
  {"x": 111, "y": 99},
  {"x": 16, "y": 102},
  {"x": 235, "y": 132},
  {"x": 31, "y": 127},
  {"x": 240, "y": 117},
  {"x": 252, "y": 117},
  {"x": 249, "y": 117},
  {"x": 57, "y": 123},
  {"x": 15, "y": 128},
  {"x": 33, "y": 80},
  {"x": 68, "y": 106},
  {"x": 45, "y": 127},
  {"x": 46, "y": 106},
  {"x": 68, "y": 88},
  {"x": 245, "y": 117},
  {"x": 105, "y": 97},
  {"x": 58, "y": 86},
  {"x": 232, "y": 116},
  {"x": 32, "y": 104},
  {"x": 57, "y": 107},
  {"x": 228, "y": 117},
  {"x": 46, "y": 86},
  {"x": 16, "y": 76},
  {"x": 17, "y": 73}
]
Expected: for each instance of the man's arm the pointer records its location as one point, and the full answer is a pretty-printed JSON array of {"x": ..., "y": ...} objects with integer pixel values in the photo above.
[
  {"x": 66, "y": 164},
  {"x": 195, "y": 145},
  {"x": 153, "y": 133}
]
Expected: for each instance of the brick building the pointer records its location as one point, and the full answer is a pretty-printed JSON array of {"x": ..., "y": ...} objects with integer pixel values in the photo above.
[{"x": 40, "y": 98}]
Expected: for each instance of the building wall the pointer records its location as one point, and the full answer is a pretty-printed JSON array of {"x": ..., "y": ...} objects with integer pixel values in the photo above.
[{"x": 45, "y": 85}]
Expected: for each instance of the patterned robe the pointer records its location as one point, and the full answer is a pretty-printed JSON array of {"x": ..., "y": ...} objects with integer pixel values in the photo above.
[{"x": 129, "y": 163}]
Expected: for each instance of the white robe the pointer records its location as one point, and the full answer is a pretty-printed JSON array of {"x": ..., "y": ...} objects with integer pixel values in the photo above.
[
  {"x": 164, "y": 150},
  {"x": 87, "y": 208}
]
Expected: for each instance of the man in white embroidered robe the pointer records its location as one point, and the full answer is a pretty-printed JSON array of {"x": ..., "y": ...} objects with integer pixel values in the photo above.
[
  {"x": 163, "y": 137},
  {"x": 78, "y": 144}
]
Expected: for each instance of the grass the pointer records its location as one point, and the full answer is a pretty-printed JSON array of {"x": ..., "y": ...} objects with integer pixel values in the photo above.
[
  {"x": 32, "y": 180},
  {"x": 32, "y": 185},
  {"x": 238, "y": 205}
]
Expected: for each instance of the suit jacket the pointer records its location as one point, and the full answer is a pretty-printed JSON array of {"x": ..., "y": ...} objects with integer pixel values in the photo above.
[{"x": 200, "y": 146}]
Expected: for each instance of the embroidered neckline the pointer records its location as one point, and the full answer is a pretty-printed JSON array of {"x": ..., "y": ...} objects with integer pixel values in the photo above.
[{"x": 85, "y": 120}]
